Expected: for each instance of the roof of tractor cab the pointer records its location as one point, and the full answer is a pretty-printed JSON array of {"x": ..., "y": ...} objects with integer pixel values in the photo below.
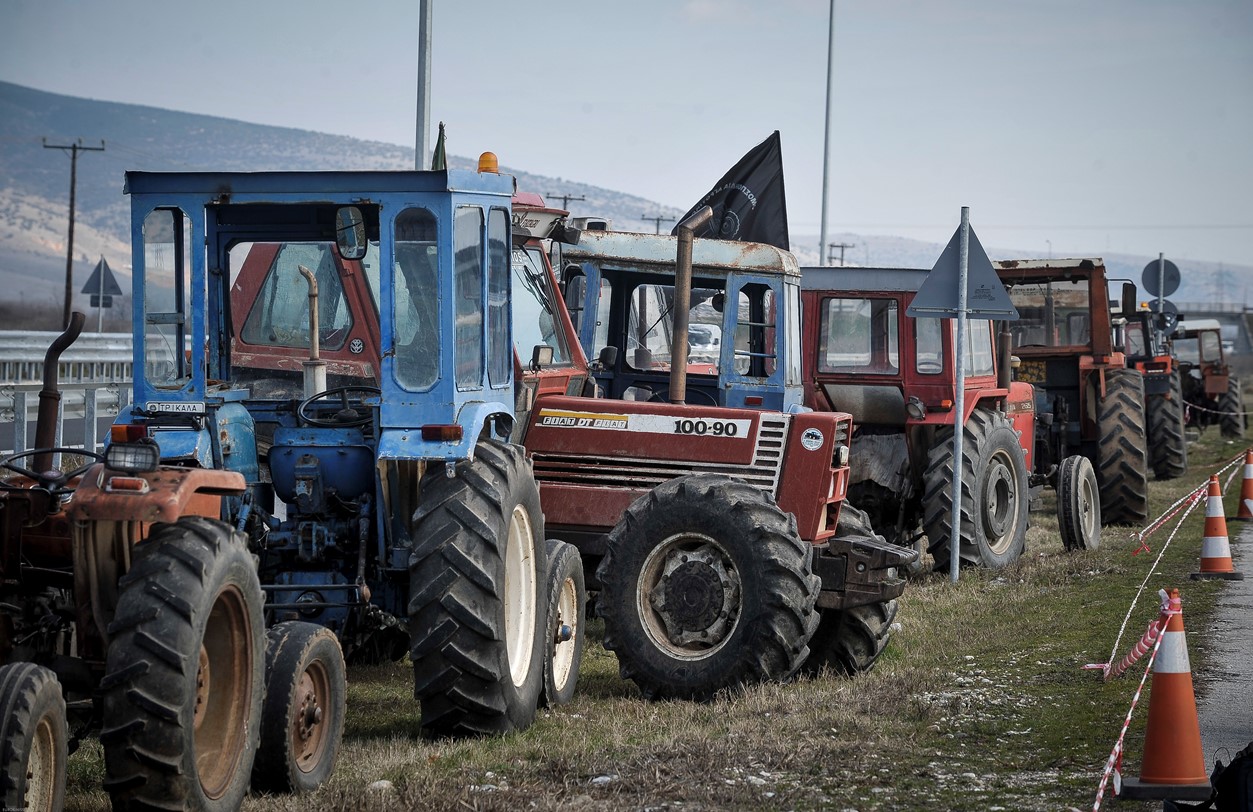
[
  {"x": 1191, "y": 327},
  {"x": 890, "y": 280},
  {"x": 235, "y": 187},
  {"x": 1042, "y": 270},
  {"x": 632, "y": 249}
]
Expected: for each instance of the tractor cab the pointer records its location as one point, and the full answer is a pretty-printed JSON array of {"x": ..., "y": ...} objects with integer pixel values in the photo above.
[
  {"x": 741, "y": 344},
  {"x": 1213, "y": 394}
]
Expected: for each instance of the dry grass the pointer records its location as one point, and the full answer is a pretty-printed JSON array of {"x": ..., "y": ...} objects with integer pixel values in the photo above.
[{"x": 978, "y": 702}]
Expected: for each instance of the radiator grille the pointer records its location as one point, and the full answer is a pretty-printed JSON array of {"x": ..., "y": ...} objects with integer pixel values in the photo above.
[{"x": 639, "y": 472}]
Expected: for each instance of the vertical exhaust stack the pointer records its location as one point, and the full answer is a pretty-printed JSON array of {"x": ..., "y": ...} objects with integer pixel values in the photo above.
[
  {"x": 1004, "y": 357},
  {"x": 683, "y": 303},
  {"x": 50, "y": 395},
  {"x": 315, "y": 367}
]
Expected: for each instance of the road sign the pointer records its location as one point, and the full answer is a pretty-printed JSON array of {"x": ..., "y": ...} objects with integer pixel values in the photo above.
[
  {"x": 1170, "y": 313},
  {"x": 101, "y": 301},
  {"x": 985, "y": 294},
  {"x": 102, "y": 282},
  {"x": 1169, "y": 276}
]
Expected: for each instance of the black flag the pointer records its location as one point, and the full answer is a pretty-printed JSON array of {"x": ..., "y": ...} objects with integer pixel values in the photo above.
[{"x": 748, "y": 202}]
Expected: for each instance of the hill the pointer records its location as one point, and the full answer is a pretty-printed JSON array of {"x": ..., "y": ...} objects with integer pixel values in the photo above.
[{"x": 34, "y": 189}]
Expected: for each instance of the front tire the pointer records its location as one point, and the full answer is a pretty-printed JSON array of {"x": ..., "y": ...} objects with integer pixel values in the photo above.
[
  {"x": 183, "y": 677},
  {"x": 1078, "y": 504},
  {"x": 1168, "y": 446},
  {"x": 565, "y": 622},
  {"x": 706, "y": 585},
  {"x": 475, "y": 618},
  {"x": 1122, "y": 460},
  {"x": 302, "y": 719},
  {"x": 849, "y": 641},
  {"x": 34, "y": 738},
  {"x": 994, "y": 500},
  {"x": 1231, "y": 422}
]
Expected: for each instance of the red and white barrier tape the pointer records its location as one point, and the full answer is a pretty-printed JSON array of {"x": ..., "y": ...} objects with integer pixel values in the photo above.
[{"x": 1114, "y": 764}]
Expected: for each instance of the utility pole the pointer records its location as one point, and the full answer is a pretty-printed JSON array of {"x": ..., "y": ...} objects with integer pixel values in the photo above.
[
  {"x": 826, "y": 136},
  {"x": 422, "y": 158},
  {"x": 657, "y": 221},
  {"x": 74, "y": 149},
  {"x": 841, "y": 246},
  {"x": 565, "y": 199}
]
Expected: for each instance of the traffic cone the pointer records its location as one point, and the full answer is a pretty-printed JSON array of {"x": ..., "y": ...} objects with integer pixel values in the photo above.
[
  {"x": 1173, "y": 765},
  {"x": 1245, "y": 513},
  {"x": 1215, "y": 549}
]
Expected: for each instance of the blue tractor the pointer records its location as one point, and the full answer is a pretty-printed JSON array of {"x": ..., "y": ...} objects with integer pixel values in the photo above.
[{"x": 369, "y": 424}]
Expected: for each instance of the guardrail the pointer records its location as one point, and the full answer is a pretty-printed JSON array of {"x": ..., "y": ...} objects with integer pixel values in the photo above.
[
  {"x": 89, "y": 403},
  {"x": 91, "y": 358}
]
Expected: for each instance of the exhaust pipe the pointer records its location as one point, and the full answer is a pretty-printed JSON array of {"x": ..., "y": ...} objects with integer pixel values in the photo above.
[
  {"x": 50, "y": 395},
  {"x": 683, "y": 303},
  {"x": 315, "y": 367}
]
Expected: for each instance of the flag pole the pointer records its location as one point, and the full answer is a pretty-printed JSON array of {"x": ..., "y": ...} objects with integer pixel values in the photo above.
[{"x": 826, "y": 138}]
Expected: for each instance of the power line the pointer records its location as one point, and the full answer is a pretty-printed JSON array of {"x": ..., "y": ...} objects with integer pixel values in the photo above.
[
  {"x": 657, "y": 221},
  {"x": 74, "y": 149},
  {"x": 565, "y": 199}
]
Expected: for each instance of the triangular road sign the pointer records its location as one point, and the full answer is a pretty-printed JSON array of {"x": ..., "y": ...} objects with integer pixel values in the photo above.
[
  {"x": 102, "y": 281},
  {"x": 985, "y": 294}
]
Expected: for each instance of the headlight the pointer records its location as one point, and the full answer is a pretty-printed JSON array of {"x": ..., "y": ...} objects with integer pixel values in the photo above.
[
  {"x": 841, "y": 456},
  {"x": 915, "y": 409},
  {"x": 133, "y": 458}
]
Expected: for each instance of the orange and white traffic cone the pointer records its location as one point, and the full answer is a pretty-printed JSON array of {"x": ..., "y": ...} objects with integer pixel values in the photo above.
[
  {"x": 1215, "y": 548},
  {"x": 1245, "y": 513},
  {"x": 1173, "y": 765}
]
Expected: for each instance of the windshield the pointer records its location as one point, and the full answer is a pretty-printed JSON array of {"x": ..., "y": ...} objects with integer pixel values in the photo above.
[
  {"x": 534, "y": 320},
  {"x": 1051, "y": 314},
  {"x": 650, "y": 328}
]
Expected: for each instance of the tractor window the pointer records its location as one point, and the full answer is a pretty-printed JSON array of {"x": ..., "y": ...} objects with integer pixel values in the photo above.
[
  {"x": 1051, "y": 314},
  {"x": 415, "y": 330},
  {"x": 167, "y": 298},
  {"x": 979, "y": 348},
  {"x": 1211, "y": 346},
  {"x": 534, "y": 319},
  {"x": 279, "y": 315},
  {"x": 793, "y": 346},
  {"x": 755, "y": 332},
  {"x": 928, "y": 347},
  {"x": 1137, "y": 344},
  {"x": 604, "y": 306},
  {"x": 650, "y": 326},
  {"x": 859, "y": 335},
  {"x": 468, "y": 295},
  {"x": 500, "y": 359}
]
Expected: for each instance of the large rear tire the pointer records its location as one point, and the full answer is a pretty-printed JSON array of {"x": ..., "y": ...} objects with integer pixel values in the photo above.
[
  {"x": 706, "y": 585},
  {"x": 849, "y": 641},
  {"x": 565, "y": 621},
  {"x": 1078, "y": 504},
  {"x": 34, "y": 738},
  {"x": 183, "y": 677},
  {"x": 476, "y": 616},
  {"x": 1122, "y": 470},
  {"x": 994, "y": 500},
  {"x": 1231, "y": 422},
  {"x": 1168, "y": 447},
  {"x": 302, "y": 719}
]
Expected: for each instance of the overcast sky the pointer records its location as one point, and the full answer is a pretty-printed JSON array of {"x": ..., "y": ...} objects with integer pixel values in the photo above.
[{"x": 1080, "y": 126}]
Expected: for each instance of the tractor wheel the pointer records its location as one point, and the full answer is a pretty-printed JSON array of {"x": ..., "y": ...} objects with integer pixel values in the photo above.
[
  {"x": 994, "y": 494},
  {"x": 183, "y": 679},
  {"x": 34, "y": 738},
  {"x": 302, "y": 718},
  {"x": 848, "y": 641},
  {"x": 705, "y": 585},
  {"x": 1231, "y": 421},
  {"x": 476, "y": 617},
  {"x": 1078, "y": 504},
  {"x": 565, "y": 619},
  {"x": 1168, "y": 447},
  {"x": 1122, "y": 460}
]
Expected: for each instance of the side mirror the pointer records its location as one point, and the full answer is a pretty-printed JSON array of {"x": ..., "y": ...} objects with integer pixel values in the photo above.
[
  {"x": 608, "y": 357},
  {"x": 541, "y": 357},
  {"x": 350, "y": 232},
  {"x": 1129, "y": 299}
]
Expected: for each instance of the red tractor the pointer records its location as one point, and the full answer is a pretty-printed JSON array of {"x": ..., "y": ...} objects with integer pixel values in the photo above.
[
  {"x": 1148, "y": 348},
  {"x": 1088, "y": 403},
  {"x": 709, "y": 501},
  {"x": 896, "y": 376},
  {"x": 1212, "y": 392}
]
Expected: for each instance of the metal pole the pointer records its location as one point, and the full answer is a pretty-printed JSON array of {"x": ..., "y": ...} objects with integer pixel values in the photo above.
[
  {"x": 959, "y": 400},
  {"x": 1161, "y": 287},
  {"x": 826, "y": 139},
  {"x": 100, "y": 300},
  {"x": 421, "y": 159}
]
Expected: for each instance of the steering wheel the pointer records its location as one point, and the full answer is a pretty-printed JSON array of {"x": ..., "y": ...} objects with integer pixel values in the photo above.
[
  {"x": 51, "y": 481},
  {"x": 347, "y": 416}
]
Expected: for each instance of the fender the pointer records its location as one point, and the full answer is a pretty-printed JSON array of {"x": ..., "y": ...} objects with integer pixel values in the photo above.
[{"x": 167, "y": 493}]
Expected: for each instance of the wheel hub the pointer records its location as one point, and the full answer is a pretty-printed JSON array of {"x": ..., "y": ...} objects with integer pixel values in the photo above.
[
  {"x": 310, "y": 714},
  {"x": 998, "y": 502},
  {"x": 695, "y": 597}
]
